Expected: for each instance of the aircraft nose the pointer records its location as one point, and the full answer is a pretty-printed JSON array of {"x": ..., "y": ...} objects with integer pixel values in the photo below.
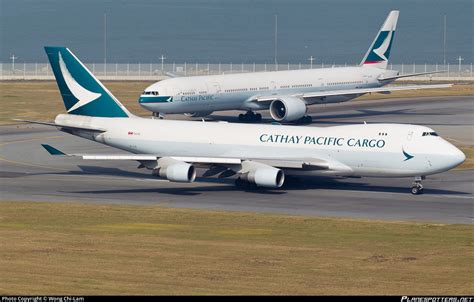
[{"x": 457, "y": 156}]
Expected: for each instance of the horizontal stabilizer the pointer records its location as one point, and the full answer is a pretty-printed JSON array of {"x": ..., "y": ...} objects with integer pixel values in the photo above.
[
  {"x": 382, "y": 78},
  {"x": 53, "y": 151},
  {"x": 61, "y": 126}
]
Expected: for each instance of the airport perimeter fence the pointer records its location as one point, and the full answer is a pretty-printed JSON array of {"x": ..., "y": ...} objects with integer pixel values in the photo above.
[{"x": 157, "y": 71}]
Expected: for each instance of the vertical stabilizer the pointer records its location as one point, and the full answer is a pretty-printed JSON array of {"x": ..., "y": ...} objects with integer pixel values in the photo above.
[
  {"x": 379, "y": 51},
  {"x": 82, "y": 92}
]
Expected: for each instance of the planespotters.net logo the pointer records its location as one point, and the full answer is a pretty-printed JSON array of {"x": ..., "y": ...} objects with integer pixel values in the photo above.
[{"x": 437, "y": 299}]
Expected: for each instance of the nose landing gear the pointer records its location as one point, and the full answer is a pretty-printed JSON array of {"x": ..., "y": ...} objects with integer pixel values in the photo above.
[
  {"x": 417, "y": 187},
  {"x": 250, "y": 116}
]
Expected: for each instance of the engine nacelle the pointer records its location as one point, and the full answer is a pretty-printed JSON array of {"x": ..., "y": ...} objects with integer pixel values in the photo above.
[
  {"x": 175, "y": 170},
  {"x": 265, "y": 177},
  {"x": 198, "y": 114},
  {"x": 287, "y": 109}
]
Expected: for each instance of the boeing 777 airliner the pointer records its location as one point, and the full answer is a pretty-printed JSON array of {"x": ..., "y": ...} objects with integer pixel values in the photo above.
[
  {"x": 260, "y": 155},
  {"x": 286, "y": 93}
]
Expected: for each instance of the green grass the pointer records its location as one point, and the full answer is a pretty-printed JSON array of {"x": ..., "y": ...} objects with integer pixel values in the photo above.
[
  {"x": 80, "y": 249},
  {"x": 40, "y": 100}
]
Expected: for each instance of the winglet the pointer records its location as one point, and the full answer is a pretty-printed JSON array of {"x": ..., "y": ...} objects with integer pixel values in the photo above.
[{"x": 52, "y": 150}]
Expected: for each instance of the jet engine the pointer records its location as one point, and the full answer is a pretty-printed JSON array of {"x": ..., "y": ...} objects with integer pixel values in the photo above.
[
  {"x": 175, "y": 170},
  {"x": 265, "y": 176},
  {"x": 287, "y": 109},
  {"x": 198, "y": 114}
]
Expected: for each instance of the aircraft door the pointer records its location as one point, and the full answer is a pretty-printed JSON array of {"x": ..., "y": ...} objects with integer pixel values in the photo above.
[
  {"x": 273, "y": 85},
  {"x": 214, "y": 91},
  {"x": 214, "y": 88}
]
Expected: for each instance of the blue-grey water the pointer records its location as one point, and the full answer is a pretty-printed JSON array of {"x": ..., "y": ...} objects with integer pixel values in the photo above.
[{"x": 332, "y": 31}]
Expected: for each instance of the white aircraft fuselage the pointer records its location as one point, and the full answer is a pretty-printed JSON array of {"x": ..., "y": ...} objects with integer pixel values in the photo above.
[
  {"x": 205, "y": 94},
  {"x": 384, "y": 150}
]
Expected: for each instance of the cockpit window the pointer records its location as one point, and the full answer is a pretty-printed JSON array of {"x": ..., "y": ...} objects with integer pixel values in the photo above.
[
  {"x": 150, "y": 92},
  {"x": 430, "y": 134}
]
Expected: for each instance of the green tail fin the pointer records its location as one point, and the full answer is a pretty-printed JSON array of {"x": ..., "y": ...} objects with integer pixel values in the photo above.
[{"x": 82, "y": 92}]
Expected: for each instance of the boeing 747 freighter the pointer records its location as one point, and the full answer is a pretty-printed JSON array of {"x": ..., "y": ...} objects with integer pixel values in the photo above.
[
  {"x": 260, "y": 155},
  {"x": 285, "y": 93}
]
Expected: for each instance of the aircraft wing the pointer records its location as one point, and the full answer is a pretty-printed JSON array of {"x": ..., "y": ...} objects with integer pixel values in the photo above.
[
  {"x": 322, "y": 94},
  {"x": 293, "y": 163},
  {"x": 141, "y": 157}
]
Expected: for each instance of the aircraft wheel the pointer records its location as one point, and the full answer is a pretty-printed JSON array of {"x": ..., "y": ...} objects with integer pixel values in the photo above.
[
  {"x": 258, "y": 117},
  {"x": 417, "y": 189}
]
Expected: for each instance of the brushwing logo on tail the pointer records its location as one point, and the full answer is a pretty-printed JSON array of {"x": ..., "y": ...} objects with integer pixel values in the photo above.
[
  {"x": 82, "y": 94},
  {"x": 381, "y": 49},
  {"x": 384, "y": 47}
]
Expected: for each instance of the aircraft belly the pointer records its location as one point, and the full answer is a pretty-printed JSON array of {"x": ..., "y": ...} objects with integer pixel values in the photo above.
[
  {"x": 392, "y": 164},
  {"x": 227, "y": 102}
]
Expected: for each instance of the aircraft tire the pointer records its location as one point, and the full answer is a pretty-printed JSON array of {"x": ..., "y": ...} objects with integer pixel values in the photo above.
[{"x": 417, "y": 189}]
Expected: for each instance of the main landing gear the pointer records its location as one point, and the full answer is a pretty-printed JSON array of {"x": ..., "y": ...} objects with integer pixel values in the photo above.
[
  {"x": 158, "y": 115},
  {"x": 417, "y": 187},
  {"x": 250, "y": 116}
]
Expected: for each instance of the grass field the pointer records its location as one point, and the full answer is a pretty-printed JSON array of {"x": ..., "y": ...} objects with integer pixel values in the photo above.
[
  {"x": 40, "y": 100},
  {"x": 80, "y": 249}
]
